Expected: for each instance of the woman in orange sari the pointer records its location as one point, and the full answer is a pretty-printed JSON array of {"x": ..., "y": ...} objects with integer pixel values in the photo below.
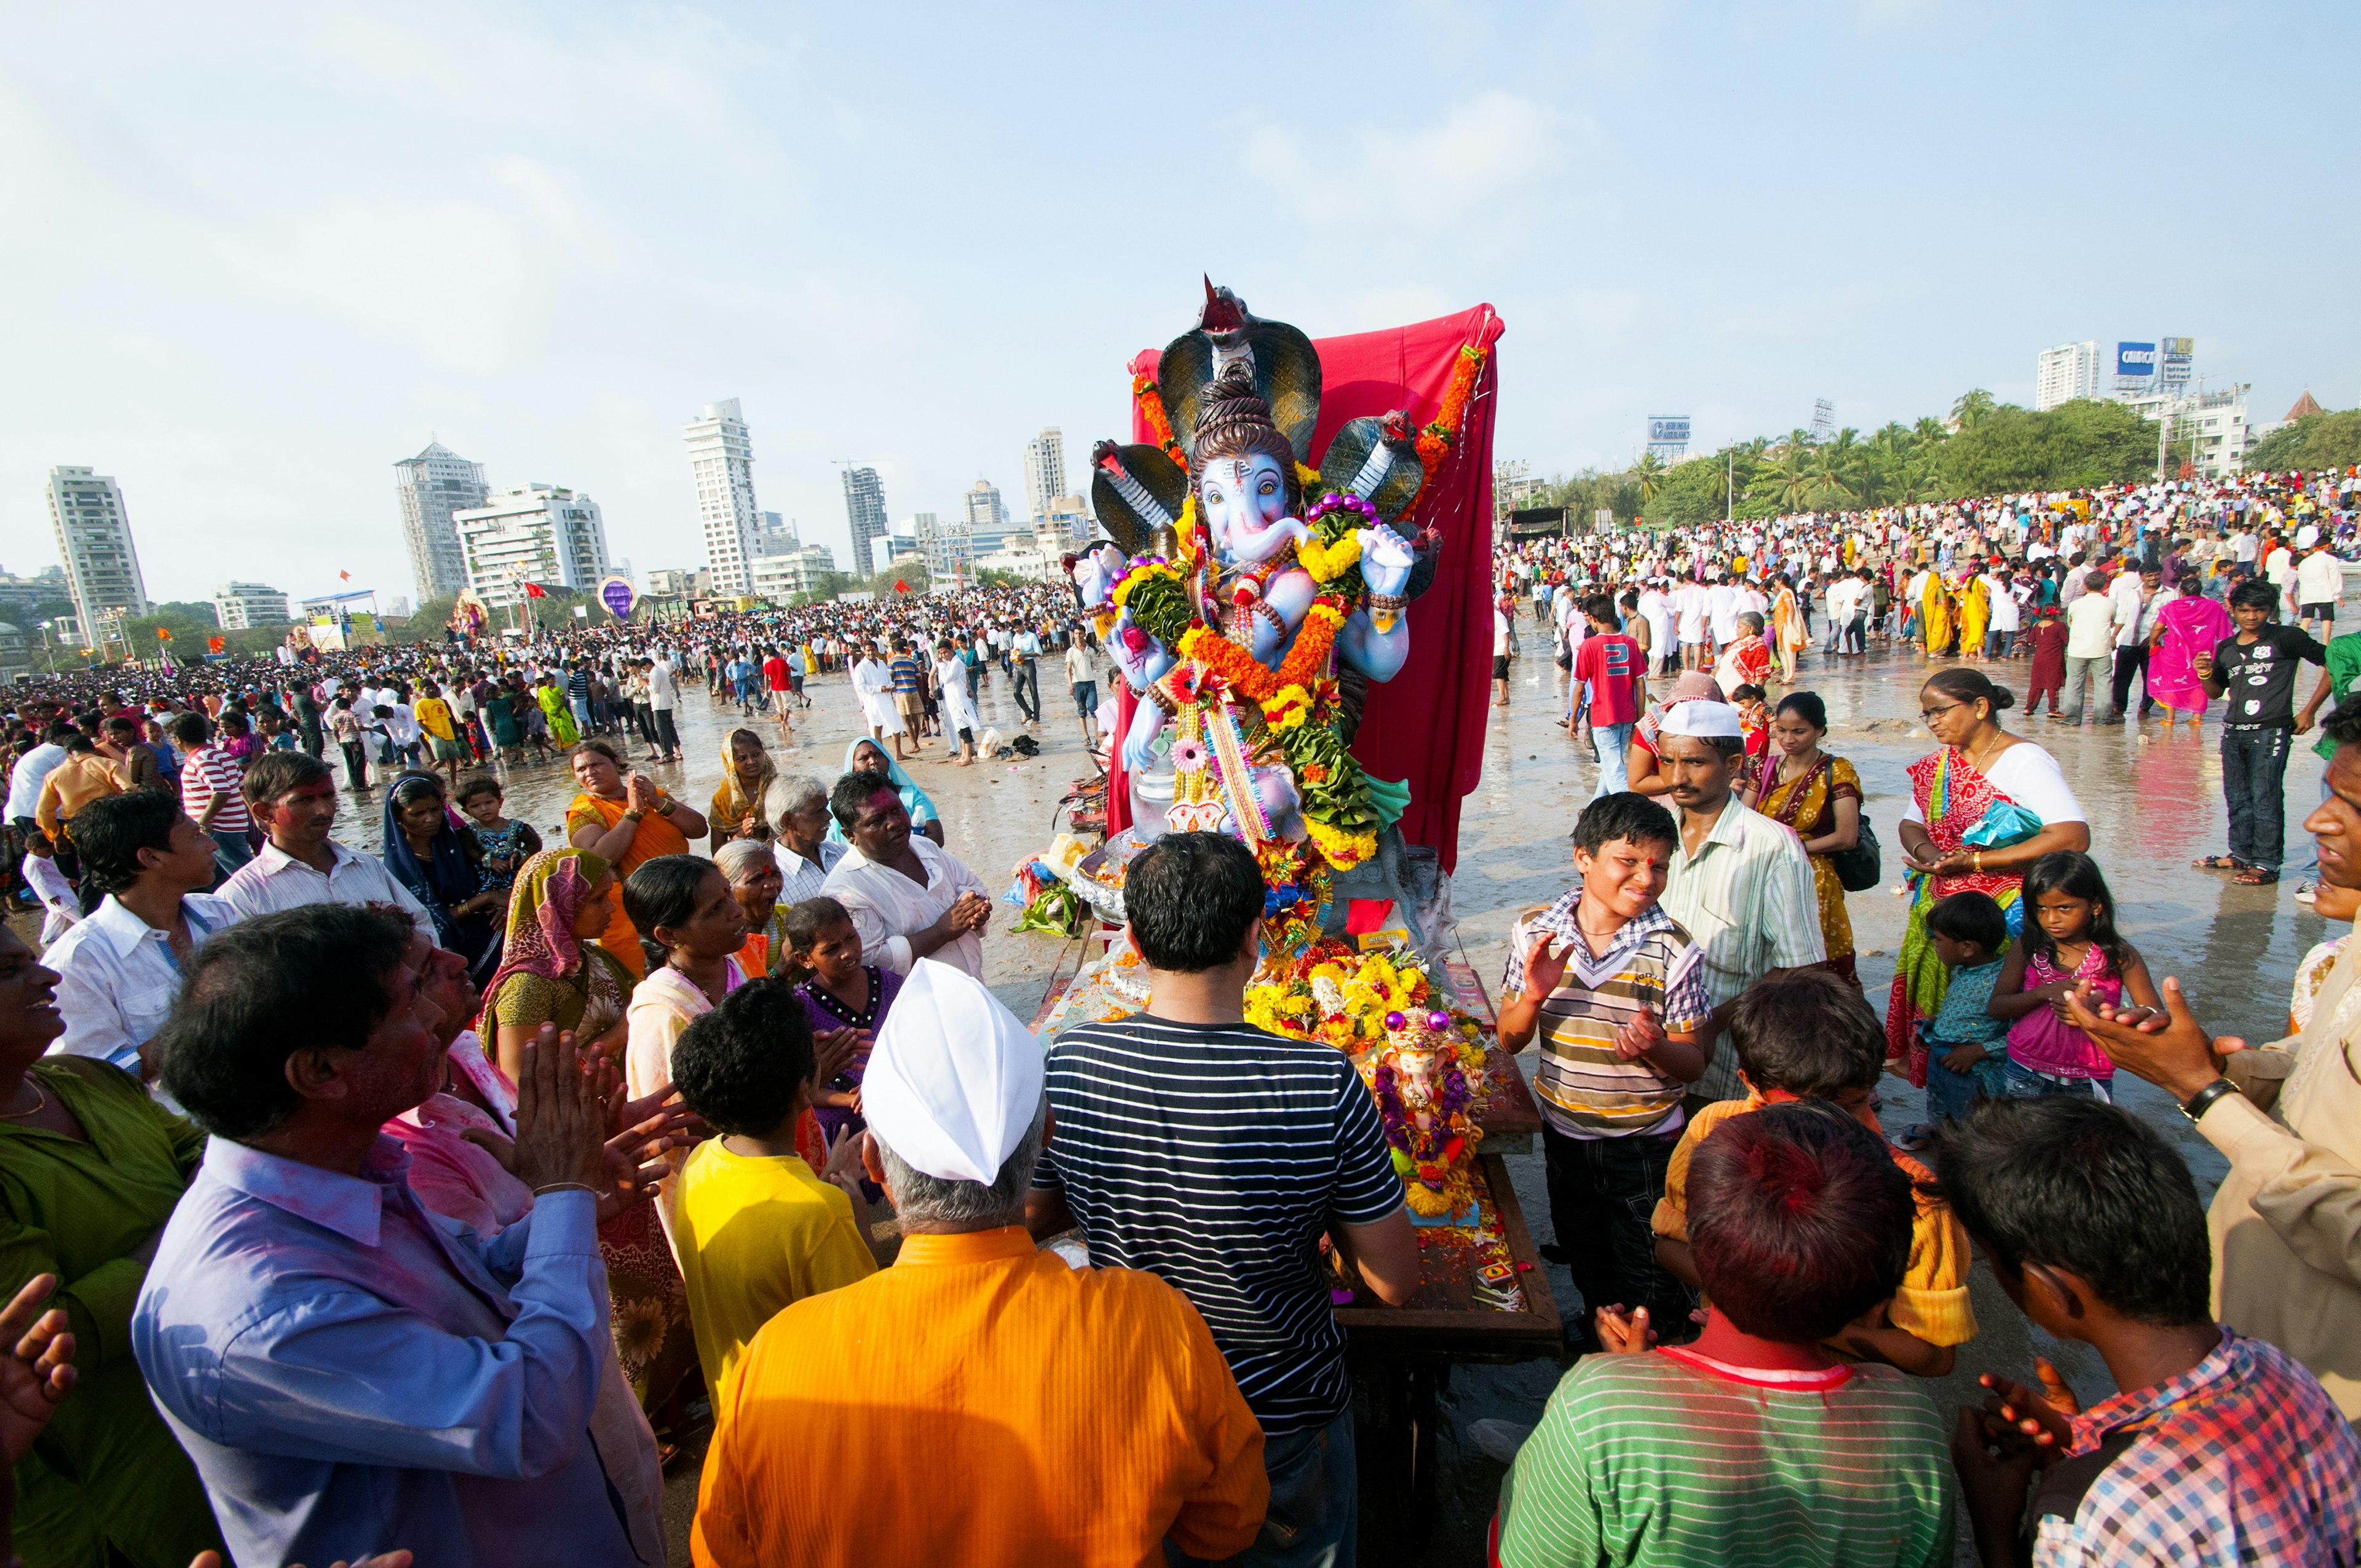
[
  {"x": 626, "y": 819},
  {"x": 1818, "y": 797}
]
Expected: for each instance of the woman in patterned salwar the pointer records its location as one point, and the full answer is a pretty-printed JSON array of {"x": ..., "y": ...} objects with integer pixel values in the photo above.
[
  {"x": 1818, "y": 797},
  {"x": 1980, "y": 769},
  {"x": 552, "y": 971}
]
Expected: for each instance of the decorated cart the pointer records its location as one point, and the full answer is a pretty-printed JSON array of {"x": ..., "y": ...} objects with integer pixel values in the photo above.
[{"x": 1297, "y": 597}]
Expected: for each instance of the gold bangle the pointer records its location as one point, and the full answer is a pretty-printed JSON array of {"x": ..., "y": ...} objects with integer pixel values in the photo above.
[{"x": 1976, "y": 860}]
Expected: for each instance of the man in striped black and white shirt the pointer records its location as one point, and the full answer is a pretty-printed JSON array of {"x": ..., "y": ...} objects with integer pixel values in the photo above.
[{"x": 1190, "y": 1144}]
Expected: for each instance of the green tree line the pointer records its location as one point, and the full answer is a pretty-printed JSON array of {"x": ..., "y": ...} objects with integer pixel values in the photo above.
[
  {"x": 2315, "y": 441},
  {"x": 1986, "y": 447}
]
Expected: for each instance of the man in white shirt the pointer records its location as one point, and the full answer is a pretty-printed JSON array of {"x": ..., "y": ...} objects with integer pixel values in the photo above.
[
  {"x": 119, "y": 970},
  {"x": 664, "y": 695},
  {"x": 1664, "y": 647},
  {"x": 2138, "y": 598},
  {"x": 2090, "y": 641},
  {"x": 1739, "y": 884},
  {"x": 2007, "y": 615},
  {"x": 293, "y": 796},
  {"x": 1500, "y": 634},
  {"x": 907, "y": 899},
  {"x": 1721, "y": 613},
  {"x": 1690, "y": 603},
  {"x": 32, "y": 771},
  {"x": 2318, "y": 583}
]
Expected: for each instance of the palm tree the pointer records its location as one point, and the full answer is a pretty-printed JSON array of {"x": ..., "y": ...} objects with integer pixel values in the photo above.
[
  {"x": 1973, "y": 404},
  {"x": 1786, "y": 481},
  {"x": 1650, "y": 471},
  {"x": 1930, "y": 430}
]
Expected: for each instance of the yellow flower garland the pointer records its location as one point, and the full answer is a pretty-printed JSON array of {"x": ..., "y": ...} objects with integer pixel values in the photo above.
[{"x": 1326, "y": 563}]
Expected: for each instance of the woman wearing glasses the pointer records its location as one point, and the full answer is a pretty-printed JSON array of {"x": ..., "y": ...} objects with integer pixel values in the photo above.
[{"x": 1983, "y": 807}]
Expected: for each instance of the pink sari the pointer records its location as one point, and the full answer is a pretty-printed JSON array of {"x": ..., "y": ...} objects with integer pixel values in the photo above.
[{"x": 2193, "y": 625}]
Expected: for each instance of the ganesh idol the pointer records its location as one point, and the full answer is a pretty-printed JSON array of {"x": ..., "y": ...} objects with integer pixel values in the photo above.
[{"x": 1251, "y": 600}]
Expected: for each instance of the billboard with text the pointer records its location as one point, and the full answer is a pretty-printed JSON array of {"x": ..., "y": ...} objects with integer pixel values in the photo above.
[{"x": 2134, "y": 358}]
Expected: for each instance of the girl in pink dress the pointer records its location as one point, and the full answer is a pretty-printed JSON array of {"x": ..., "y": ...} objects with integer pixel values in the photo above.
[{"x": 2070, "y": 943}]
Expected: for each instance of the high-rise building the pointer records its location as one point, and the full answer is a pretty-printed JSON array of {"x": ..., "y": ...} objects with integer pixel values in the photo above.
[
  {"x": 94, "y": 542},
  {"x": 776, "y": 536},
  {"x": 431, "y": 486},
  {"x": 723, "y": 463},
  {"x": 1068, "y": 518},
  {"x": 534, "y": 533},
  {"x": 865, "y": 509},
  {"x": 985, "y": 514},
  {"x": 2069, "y": 371},
  {"x": 240, "y": 606},
  {"x": 1045, "y": 470},
  {"x": 946, "y": 547}
]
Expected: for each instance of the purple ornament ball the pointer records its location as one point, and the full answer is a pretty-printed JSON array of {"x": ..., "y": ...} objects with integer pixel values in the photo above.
[
  {"x": 1438, "y": 1020},
  {"x": 1395, "y": 1020}
]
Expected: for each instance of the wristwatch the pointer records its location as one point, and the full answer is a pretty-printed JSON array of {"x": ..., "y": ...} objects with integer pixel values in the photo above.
[
  {"x": 634, "y": 817},
  {"x": 2197, "y": 1104}
]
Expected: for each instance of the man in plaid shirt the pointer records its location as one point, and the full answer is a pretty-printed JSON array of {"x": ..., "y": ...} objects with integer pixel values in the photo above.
[{"x": 2217, "y": 1449}]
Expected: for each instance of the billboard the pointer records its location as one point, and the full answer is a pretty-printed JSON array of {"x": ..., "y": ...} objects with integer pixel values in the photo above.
[
  {"x": 2134, "y": 358},
  {"x": 2179, "y": 355},
  {"x": 1668, "y": 430},
  {"x": 618, "y": 595},
  {"x": 1536, "y": 522}
]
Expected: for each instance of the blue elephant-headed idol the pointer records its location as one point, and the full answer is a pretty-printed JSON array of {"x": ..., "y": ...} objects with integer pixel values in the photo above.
[{"x": 1249, "y": 621}]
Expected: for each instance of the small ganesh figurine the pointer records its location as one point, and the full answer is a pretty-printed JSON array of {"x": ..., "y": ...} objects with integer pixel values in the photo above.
[{"x": 1425, "y": 1103}]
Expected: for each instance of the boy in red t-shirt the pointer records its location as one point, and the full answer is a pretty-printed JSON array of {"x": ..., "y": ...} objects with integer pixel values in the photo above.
[{"x": 1612, "y": 664}]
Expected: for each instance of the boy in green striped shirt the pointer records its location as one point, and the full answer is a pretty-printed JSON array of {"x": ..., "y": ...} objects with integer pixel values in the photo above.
[{"x": 1753, "y": 1444}]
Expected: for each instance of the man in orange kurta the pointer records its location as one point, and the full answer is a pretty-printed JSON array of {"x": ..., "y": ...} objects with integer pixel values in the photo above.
[{"x": 978, "y": 1402}]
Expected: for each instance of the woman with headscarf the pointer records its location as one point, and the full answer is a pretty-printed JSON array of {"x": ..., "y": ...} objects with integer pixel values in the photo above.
[
  {"x": 870, "y": 756},
  {"x": 747, "y": 771},
  {"x": 552, "y": 970},
  {"x": 427, "y": 853}
]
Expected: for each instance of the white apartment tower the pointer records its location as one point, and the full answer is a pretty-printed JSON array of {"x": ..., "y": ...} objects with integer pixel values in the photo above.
[
  {"x": 241, "y": 607},
  {"x": 534, "y": 533},
  {"x": 431, "y": 486},
  {"x": 1045, "y": 470},
  {"x": 2069, "y": 371},
  {"x": 722, "y": 461},
  {"x": 95, "y": 543}
]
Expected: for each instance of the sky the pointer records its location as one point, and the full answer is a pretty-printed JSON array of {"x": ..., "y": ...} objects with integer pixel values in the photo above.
[{"x": 252, "y": 255}]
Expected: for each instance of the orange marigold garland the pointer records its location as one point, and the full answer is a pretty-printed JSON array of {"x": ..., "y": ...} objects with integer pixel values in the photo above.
[
  {"x": 1434, "y": 441},
  {"x": 1151, "y": 399}
]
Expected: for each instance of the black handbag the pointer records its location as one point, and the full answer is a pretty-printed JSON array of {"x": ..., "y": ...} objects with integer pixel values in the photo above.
[{"x": 1859, "y": 868}]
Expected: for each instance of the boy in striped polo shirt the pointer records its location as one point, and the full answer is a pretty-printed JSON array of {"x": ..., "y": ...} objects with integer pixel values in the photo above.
[
  {"x": 1754, "y": 1444},
  {"x": 1616, "y": 991}
]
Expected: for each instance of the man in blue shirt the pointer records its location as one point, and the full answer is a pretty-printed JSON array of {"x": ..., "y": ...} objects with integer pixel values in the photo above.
[
  {"x": 1028, "y": 675},
  {"x": 349, "y": 1371}
]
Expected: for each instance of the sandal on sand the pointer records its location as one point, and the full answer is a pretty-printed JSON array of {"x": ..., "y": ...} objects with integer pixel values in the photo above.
[
  {"x": 2256, "y": 876},
  {"x": 2219, "y": 863}
]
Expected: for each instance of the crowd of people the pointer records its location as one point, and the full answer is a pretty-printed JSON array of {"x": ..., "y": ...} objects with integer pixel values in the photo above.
[{"x": 421, "y": 1203}]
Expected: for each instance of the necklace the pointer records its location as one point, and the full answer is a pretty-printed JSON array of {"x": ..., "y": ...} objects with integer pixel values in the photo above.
[
  {"x": 1983, "y": 753},
  {"x": 40, "y": 1104}
]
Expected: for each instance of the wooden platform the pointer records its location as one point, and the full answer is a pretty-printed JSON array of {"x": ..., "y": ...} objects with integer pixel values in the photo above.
[{"x": 1442, "y": 1319}]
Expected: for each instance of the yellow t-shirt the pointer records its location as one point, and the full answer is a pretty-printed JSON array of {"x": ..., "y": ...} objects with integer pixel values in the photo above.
[
  {"x": 1932, "y": 1304},
  {"x": 753, "y": 1236},
  {"x": 433, "y": 716}
]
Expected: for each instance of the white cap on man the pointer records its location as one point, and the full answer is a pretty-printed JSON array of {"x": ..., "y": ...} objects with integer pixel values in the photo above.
[
  {"x": 1702, "y": 719},
  {"x": 954, "y": 1080}
]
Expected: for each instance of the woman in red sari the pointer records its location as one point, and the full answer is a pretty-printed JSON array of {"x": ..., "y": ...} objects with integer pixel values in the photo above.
[{"x": 1980, "y": 766}]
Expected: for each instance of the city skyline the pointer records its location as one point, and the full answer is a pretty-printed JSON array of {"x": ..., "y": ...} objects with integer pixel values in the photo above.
[{"x": 331, "y": 239}]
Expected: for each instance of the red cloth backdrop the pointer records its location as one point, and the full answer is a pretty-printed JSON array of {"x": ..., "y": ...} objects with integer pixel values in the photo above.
[{"x": 1426, "y": 725}]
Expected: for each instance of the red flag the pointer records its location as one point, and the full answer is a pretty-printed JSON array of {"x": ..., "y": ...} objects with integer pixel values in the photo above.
[
  {"x": 213, "y": 644},
  {"x": 347, "y": 577},
  {"x": 900, "y": 586},
  {"x": 162, "y": 635},
  {"x": 535, "y": 591}
]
